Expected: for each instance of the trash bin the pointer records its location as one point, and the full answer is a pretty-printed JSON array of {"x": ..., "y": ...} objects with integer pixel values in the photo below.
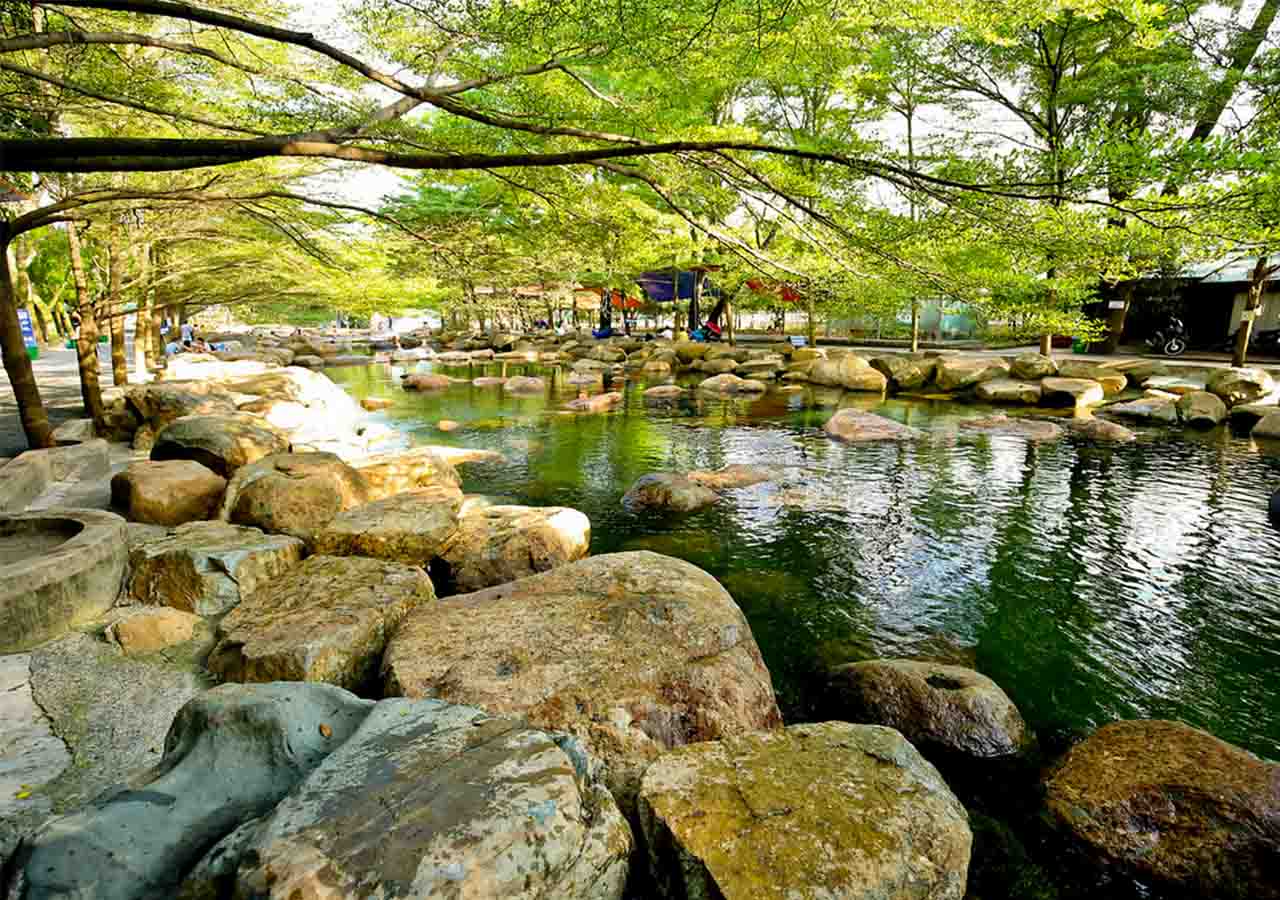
[
  {"x": 1079, "y": 346},
  {"x": 33, "y": 352}
]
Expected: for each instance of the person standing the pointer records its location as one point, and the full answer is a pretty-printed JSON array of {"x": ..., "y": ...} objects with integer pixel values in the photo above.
[{"x": 188, "y": 333}]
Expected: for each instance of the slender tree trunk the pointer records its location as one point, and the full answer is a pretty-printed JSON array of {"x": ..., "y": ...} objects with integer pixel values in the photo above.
[
  {"x": 728, "y": 321},
  {"x": 115, "y": 308},
  {"x": 1116, "y": 318},
  {"x": 1257, "y": 285},
  {"x": 915, "y": 325},
  {"x": 810, "y": 332},
  {"x": 87, "y": 343},
  {"x": 22, "y": 379}
]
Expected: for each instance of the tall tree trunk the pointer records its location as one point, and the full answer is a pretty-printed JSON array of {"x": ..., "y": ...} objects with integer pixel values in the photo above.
[
  {"x": 915, "y": 325},
  {"x": 87, "y": 343},
  {"x": 1116, "y": 318},
  {"x": 142, "y": 351},
  {"x": 22, "y": 379},
  {"x": 810, "y": 332},
  {"x": 115, "y": 308},
  {"x": 1257, "y": 285}
]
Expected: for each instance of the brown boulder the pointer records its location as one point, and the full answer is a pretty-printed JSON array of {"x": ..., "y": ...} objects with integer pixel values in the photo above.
[
  {"x": 293, "y": 493},
  {"x": 905, "y": 373},
  {"x": 1166, "y": 802},
  {"x": 524, "y": 384},
  {"x": 850, "y": 372},
  {"x": 634, "y": 653},
  {"x": 1100, "y": 430},
  {"x": 386, "y": 474},
  {"x": 327, "y": 620},
  {"x": 1202, "y": 409},
  {"x": 732, "y": 476},
  {"x": 956, "y": 373},
  {"x": 732, "y": 384},
  {"x": 662, "y": 490},
  {"x": 222, "y": 443},
  {"x": 167, "y": 493},
  {"x": 856, "y": 426},
  {"x": 425, "y": 382},
  {"x": 411, "y": 528},
  {"x": 152, "y": 630},
  {"x": 497, "y": 544},
  {"x": 373, "y": 404},
  {"x": 597, "y": 403}
]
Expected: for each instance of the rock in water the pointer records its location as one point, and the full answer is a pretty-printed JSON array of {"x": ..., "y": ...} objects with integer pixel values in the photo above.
[
  {"x": 905, "y": 373},
  {"x": 483, "y": 807},
  {"x": 1079, "y": 393},
  {"x": 524, "y": 384},
  {"x": 139, "y": 844},
  {"x": 422, "y": 382},
  {"x": 167, "y": 493},
  {"x": 1165, "y": 802},
  {"x": 1154, "y": 406},
  {"x": 936, "y": 707},
  {"x": 206, "y": 568},
  {"x": 856, "y": 426},
  {"x": 959, "y": 372},
  {"x": 825, "y": 810},
  {"x": 411, "y": 528},
  {"x": 293, "y": 493},
  {"x": 1201, "y": 409},
  {"x": 598, "y": 403},
  {"x": 1100, "y": 430},
  {"x": 732, "y": 384},
  {"x": 394, "y": 473},
  {"x": 732, "y": 476},
  {"x": 222, "y": 443},
  {"x": 634, "y": 653},
  {"x": 1236, "y": 386},
  {"x": 498, "y": 544},
  {"x": 850, "y": 372},
  {"x": 327, "y": 620},
  {"x": 659, "y": 490},
  {"x": 373, "y": 404},
  {"x": 999, "y": 423}
]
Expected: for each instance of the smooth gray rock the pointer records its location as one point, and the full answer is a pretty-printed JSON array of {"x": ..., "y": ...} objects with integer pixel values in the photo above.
[
  {"x": 483, "y": 806},
  {"x": 230, "y": 755}
]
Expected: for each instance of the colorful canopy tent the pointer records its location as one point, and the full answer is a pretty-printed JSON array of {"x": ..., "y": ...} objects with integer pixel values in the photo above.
[
  {"x": 610, "y": 299},
  {"x": 692, "y": 284},
  {"x": 775, "y": 289}
]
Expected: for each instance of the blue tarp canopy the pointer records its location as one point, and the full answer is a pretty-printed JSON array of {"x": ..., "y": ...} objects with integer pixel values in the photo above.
[{"x": 657, "y": 286}]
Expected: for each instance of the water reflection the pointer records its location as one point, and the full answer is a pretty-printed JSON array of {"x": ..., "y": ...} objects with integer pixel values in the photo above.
[{"x": 1093, "y": 582}]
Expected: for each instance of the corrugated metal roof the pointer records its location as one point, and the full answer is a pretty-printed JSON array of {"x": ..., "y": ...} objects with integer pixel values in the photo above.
[{"x": 1227, "y": 270}]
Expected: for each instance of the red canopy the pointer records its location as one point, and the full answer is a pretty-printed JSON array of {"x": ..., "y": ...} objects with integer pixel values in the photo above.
[{"x": 784, "y": 292}]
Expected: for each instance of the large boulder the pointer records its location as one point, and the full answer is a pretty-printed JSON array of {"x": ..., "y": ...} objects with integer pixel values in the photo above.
[
  {"x": 1112, "y": 380},
  {"x": 325, "y": 620},
  {"x": 634, "y": 653},
  {"x": 411, "y": 528},
  {"x": 207, "y": 568},
  {"x": 1008, "y": 390},
  {"x": 720, "y": 366},
  {"x": 167, "y": 493},
  {"x": 850, "y": 372},
  {"x": 1079, "y": 393},
  {"x": 386, "y": 474},
  {"x": 1100, "y": 430},
  {"x": 955, "y": 373},
  {"x": 905, "y": 373},
  {"x": 948, "y": 710},
  {"x": 1167, "y": 803},
  {"x": 823, "y": 810},
  {"x": 332, "y": 410},
  {"x": 1174, "y": 384},
  {"x": 1033, "y": 367},
  {"x": 1236, "y": 386},
  {"x": 425, "y": 382},
  {"x": 688, "y": 351},
  {"x": 732, "y": 384},
  {"x": 139, "y": 843},
  {"x": 1153, "y": 406},
  {"x": 664, "y": 392},
  {"x": 661, "y": 490},
  {"x": 288, "y": 416},
  {"x": 1201, "y": 409},
  {"x": 293, "y": 493},
  {"x": 160, "y": 402},
  {"x": 497, "y": 544},
  {"x": 483, "y": 807},
  {"x": 856, "y": 426},
  {"x": 222, "y": 443}
]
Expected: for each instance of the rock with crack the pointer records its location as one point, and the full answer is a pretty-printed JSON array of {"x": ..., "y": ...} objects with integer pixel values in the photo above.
[
  {"x": 293, "y": 493},
  {"x": 411, "y": 528},
  {"x": 222, "y": 443},
  {"x": 206, "y": 568},
  {"x": 326, "y": 620},
  {"x": 139, "y": 843},
  {"x": 496, "y": 544},
  {"x": 634, "y": 653},
  {"x": 823, "y": 810},
  {"x": 484, "y": 807}
]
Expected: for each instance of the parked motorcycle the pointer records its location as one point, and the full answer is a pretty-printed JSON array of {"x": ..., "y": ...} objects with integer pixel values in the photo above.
[
  {"x": 1264, "y": 342},
  {"x": 1171, "y": 338}
]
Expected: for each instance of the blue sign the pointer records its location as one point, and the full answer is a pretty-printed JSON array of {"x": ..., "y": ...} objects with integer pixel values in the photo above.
[{"x": 28, "y": 333}]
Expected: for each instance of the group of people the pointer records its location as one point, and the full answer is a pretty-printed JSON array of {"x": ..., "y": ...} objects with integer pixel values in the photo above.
[{"x": 188, "y": 342}]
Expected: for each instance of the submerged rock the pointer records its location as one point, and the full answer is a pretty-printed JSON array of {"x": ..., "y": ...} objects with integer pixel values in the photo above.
[
  {"x": 1201, "y": 409},
  {"x": 1268, "y": 426},
  {"x": 167, "y": 493},
  {"x": 1031, "y": 429},
  {"x": 942, "y": 708},
  {"x": 634, "y": 653},
  {"x": 483, "y": 806},
  {"x": 856, "y": 426},
  {"x": 664, "y": 392},
  {"x": 1165, "y": 802},
  {"x": 732, "y": 476},
  {"x": 524, "y": 384},
  {"x": 824, "y": 810},
  {"x": 496, "y": 544},
  {"x": 326, "y": 620},
  {"x": 662, "y": 490},
  {"x": 139, "y": 843}
]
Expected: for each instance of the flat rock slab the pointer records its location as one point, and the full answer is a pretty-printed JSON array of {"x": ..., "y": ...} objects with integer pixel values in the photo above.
[
  {"x": 497, "y": 544},
  {"x": 1172, "y": 384},
  {"x": 411, "y": 528},
  {"x": 1156, "y": 406},
  {"x": 326, "y": 620},
  {"x": 30, "y": 753},
  {"x": 1008, "y": 390},
  {"x": 825, "y": 810},
  {"x": 736, "y": 475},
  {"x": 207, "y": 568},
  {"x": 167, "y": 493},
  {"x": 1077, "y": 392},
  {"x": 483, "y": 806},
  {"x": 632, "y": 652},
  {"x": 1099, "y": 430},
  {"x": 732, "y": 384},
  {"x": 856, "y": 426},
  {"x": 959, "y": 372}
]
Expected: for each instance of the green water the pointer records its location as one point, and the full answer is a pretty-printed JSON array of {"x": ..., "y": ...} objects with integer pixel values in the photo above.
[{"x": 1092, "y": 582}]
